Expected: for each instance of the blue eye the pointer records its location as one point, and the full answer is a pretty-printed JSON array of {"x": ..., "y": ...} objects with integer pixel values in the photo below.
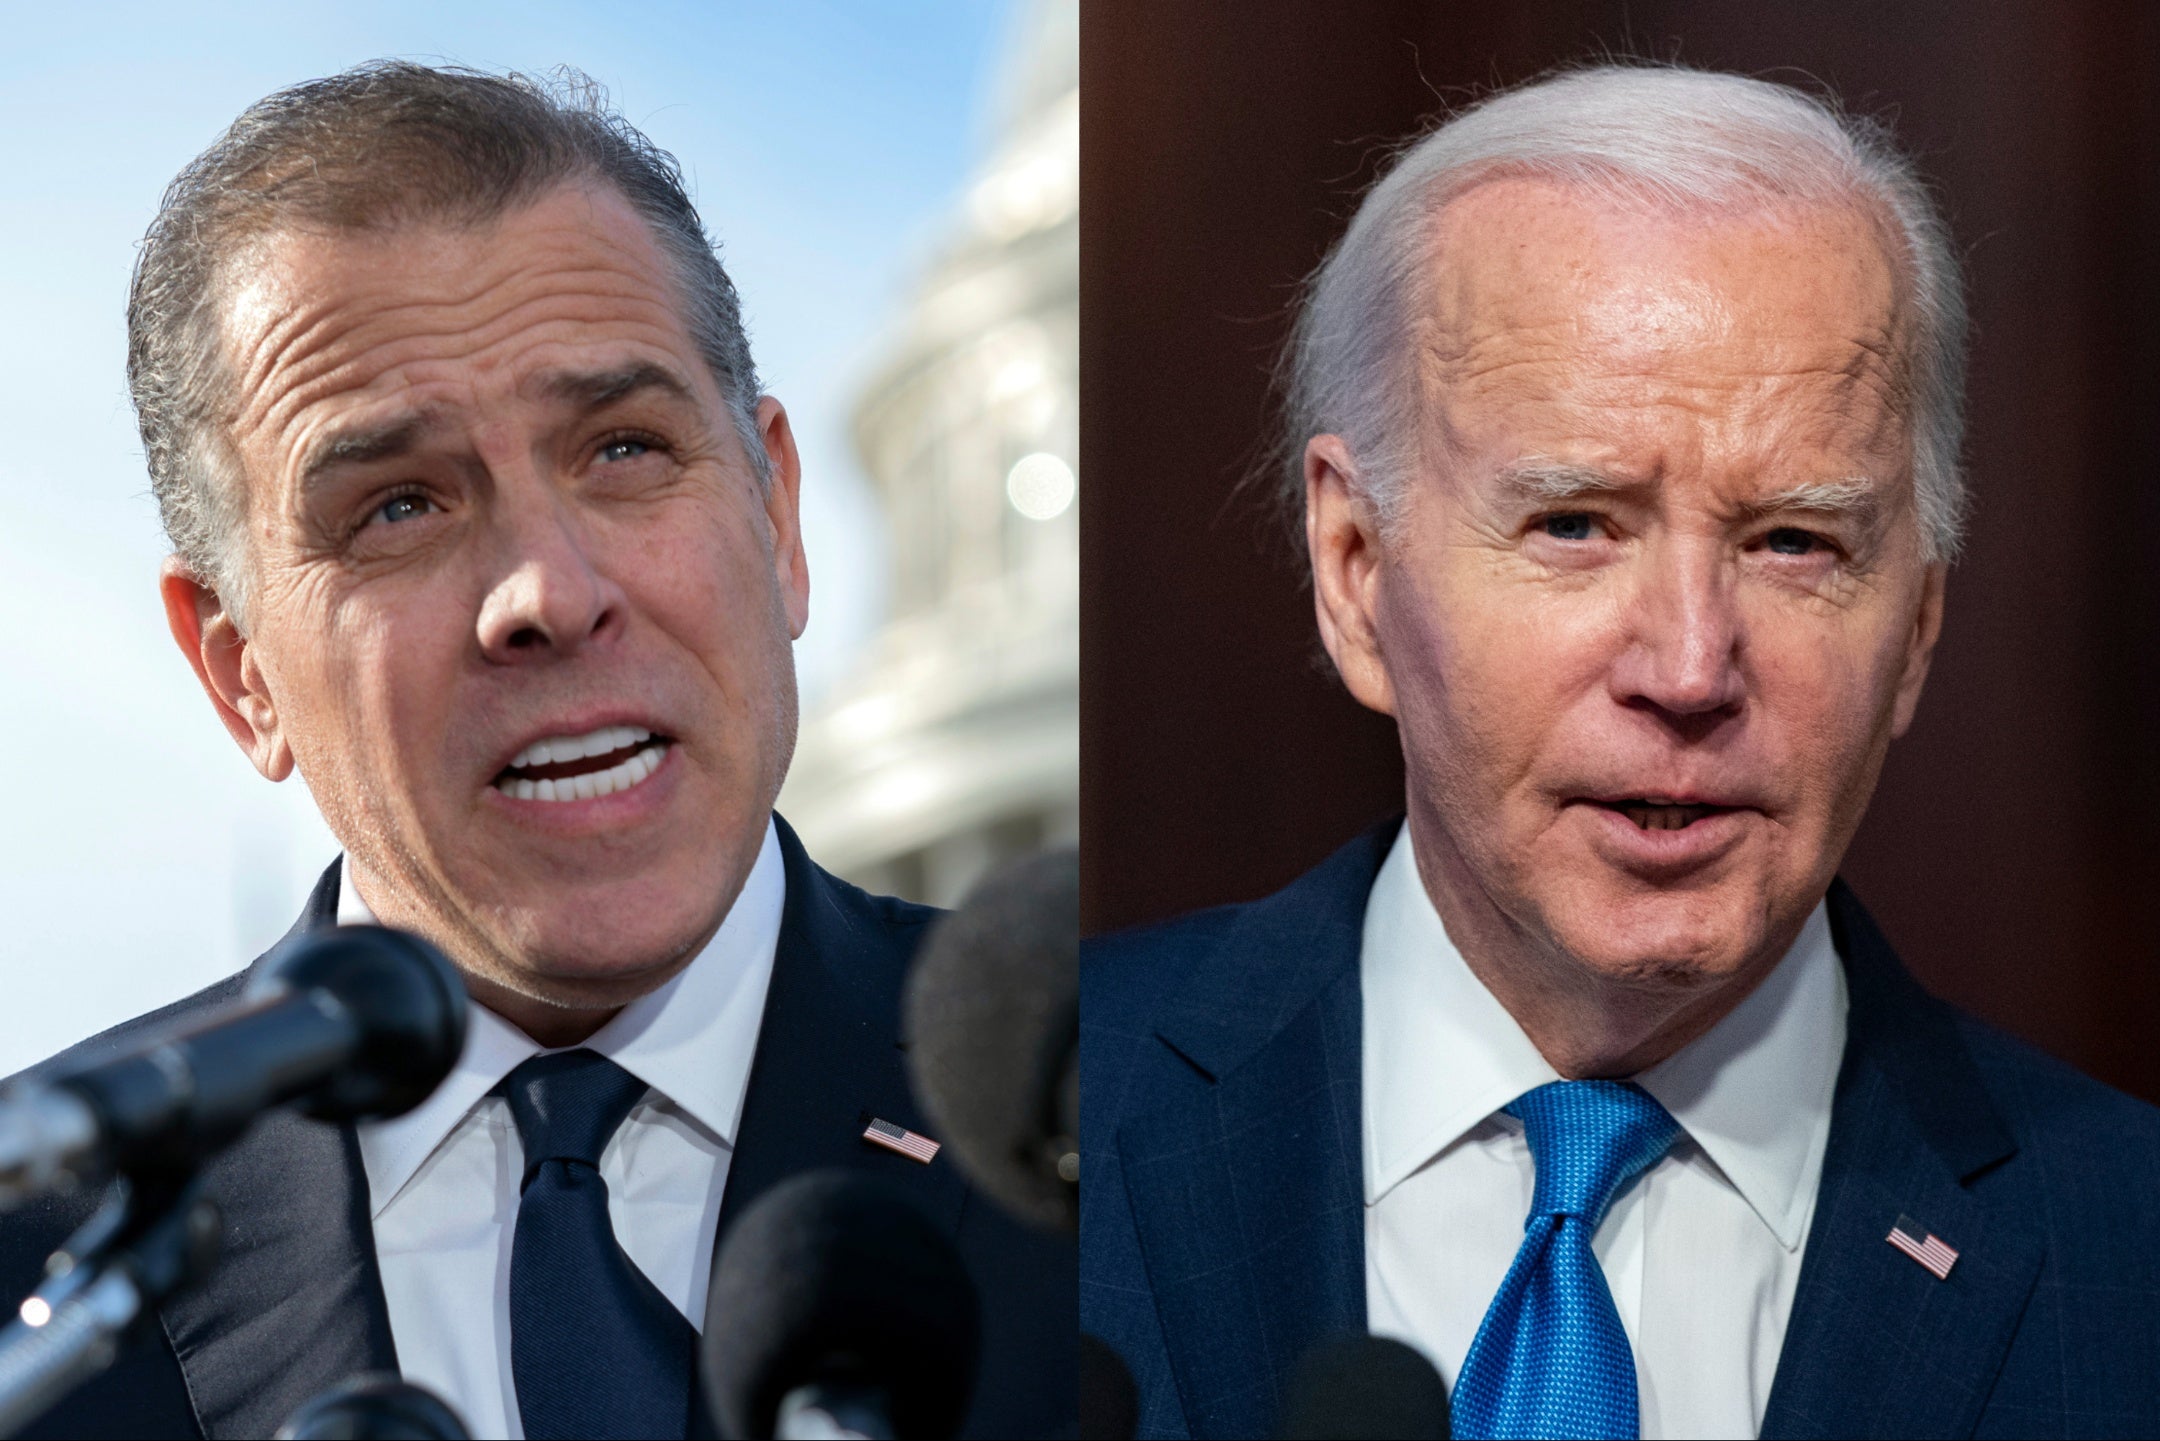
[
  {"x": 623, "y": 449},
  {"x": 1787, "y": 541},
  {"x": 403, "y": 507},
  {"x": 1575, "y": 525}
]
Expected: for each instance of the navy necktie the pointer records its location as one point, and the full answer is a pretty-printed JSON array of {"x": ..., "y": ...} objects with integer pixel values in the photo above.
[
  {"x": 1551, "y": 1358},
  {"x": 595, "y": 1349}
]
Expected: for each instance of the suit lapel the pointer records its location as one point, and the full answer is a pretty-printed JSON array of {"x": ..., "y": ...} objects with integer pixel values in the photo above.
[
  {"x": 1876, "y": 1344},
  {"x": 829, "y": 1053},
  {"x": 295, "y": 1303},
  {"x": 1248, "y": 1206},
  {"x": 1248, "y": 1195}
]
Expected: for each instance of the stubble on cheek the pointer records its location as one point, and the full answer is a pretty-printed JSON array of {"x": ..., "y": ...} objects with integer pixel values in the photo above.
[{"x": 352, "y": 747}]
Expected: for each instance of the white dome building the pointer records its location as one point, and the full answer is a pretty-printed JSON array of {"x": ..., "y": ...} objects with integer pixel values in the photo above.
[{"x": 957, "y": 743}]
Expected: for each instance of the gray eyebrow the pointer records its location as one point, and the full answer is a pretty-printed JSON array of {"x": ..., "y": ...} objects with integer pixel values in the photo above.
[
  {"x": 1550, "y": 482},
  {"x": 1856, "y": 496}
]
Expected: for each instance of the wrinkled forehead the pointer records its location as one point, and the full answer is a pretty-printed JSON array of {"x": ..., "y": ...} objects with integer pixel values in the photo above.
[
  {"x": 1533, "y": 284},
  {"x": 317, "y": 318}
]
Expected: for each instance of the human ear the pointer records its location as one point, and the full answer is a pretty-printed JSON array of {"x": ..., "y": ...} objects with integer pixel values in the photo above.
[
  {"x": 1342, "y": 539},
  {"x": 1919, "y": 649},
  {"x": 783, "y": 509},
  {"x": 227, "y": 667}
]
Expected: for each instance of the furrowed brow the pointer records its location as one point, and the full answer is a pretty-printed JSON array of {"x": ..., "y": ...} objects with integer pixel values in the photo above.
[
  {"x": 365, "y": 444},
  {"x": 591, "y": 389}
]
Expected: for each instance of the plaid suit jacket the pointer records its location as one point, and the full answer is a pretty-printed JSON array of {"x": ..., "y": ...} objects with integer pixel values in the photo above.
[{"x": 1222, "y": 1218}]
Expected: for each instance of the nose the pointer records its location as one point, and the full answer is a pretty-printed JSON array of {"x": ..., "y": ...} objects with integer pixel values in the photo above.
[
  {"x": 1684, "y": 634},
  {"x": 548, "y": 600}
]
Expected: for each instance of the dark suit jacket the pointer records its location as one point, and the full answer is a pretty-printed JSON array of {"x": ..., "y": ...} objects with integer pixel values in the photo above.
[
  {"x": 295, "y": 1304},
  {"x": 1222, "y": 1216}
]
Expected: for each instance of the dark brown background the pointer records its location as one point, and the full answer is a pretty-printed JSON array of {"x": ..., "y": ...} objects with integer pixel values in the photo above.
[{"x": 2013, "y": 851}]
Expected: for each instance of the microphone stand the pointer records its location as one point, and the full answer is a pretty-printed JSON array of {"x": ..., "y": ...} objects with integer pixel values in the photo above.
[{"x": 151, "y": 1237}]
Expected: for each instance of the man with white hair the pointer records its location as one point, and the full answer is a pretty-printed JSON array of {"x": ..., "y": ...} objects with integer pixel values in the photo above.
[{"x": 1624, "y": 427}]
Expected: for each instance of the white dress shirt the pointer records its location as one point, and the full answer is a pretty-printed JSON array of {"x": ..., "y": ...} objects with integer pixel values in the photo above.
[
  {"x": 443, "y": 1179},
  {"x": 1702, "y": 1252}
]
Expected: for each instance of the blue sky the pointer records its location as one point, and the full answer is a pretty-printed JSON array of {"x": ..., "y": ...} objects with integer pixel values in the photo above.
[{"x": 141, "y": 857}]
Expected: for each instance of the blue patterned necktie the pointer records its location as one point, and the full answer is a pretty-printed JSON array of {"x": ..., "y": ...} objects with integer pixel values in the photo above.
[
  {"x": 1550, "y": 1358},
  {"x": 595, "y": 1349}
]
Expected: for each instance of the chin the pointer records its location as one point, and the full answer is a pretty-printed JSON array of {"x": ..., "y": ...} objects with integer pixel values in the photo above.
[
  {"x": 1664, "y": 939},
  {"x": 620, "y": 935}
]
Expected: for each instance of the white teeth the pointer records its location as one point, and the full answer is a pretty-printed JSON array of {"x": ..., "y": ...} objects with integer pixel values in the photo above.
[
  {"x": 556, "y": 749},
  {"x": 622, "y": 777}
]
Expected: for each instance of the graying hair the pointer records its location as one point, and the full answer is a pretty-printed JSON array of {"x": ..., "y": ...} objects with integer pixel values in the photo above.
[
  {"x": 379, "y": 146},
  {"x": 1663, "y": 136}
]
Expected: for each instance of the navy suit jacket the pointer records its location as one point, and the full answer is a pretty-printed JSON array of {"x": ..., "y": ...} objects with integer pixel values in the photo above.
[
  {"x": 295, "y": 1304},
  {"x": 1222, "y": 1215}
]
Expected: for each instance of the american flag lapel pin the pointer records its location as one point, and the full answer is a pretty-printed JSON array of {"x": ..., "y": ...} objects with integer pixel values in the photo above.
[
  {"x": 899, "y": 1138},
  {"x": 1915, "y": 1241}
]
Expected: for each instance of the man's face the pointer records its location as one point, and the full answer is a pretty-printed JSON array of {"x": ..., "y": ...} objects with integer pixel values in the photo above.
[
  {"x": 1656, "y": 605},
  {"x": 494, "y": 504}
]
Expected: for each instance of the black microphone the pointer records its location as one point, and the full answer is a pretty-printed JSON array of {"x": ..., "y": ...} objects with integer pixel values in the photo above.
[
  {"x": 1109, "y": 1402},
  {"x": 1366, "y": 1386},
  {"x": 376, "y": 1406},
  {"x": 350, "y": 1023},
  {"x": 993, "y": 1030},
  {"x": 838, "y": 1309}
]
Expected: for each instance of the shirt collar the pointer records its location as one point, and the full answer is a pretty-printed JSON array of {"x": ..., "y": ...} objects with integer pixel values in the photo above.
[
  {"x": 692, "y": 1040},
  {"x": 1441, "y": 1055}
]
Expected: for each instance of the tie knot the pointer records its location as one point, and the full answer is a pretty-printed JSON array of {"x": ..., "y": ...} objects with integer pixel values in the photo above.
[
  {"x": 567, "y": 1104},
  {"x": 1588, "y": 1139}
]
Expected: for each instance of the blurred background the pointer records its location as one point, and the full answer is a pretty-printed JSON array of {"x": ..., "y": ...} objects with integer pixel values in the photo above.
[
  {"x": 894, "y": 189},
  {"x": 2013, "y": 850}
]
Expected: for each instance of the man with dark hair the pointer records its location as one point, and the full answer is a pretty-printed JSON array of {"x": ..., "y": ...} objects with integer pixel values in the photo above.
[{"x": 481, "y": 525}]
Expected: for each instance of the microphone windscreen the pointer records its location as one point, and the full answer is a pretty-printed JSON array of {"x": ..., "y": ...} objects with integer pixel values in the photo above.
[
  {"x": 992, "y": 1028},
  {"x": 375, "y": 1407},
  {"x": 1109, "y": 1402},
  {"x": 406, "y": 999},
  {"x": 833, "y": 1278},
  {"x": 1366, "y": 1386}
]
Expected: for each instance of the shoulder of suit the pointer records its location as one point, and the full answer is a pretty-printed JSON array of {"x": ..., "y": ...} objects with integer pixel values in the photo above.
[
  {"x": 2084, "y": 1173},
  {"x": 898, "y": 922},
  {"x": 2051, "y": 1106},
  {"x": 1127, "y": 973},
  {"x": 32, "y": 1232},
  {"x": 108, "y": 1041}
]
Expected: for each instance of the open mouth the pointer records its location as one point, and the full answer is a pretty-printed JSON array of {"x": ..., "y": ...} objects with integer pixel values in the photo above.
[
  {"x": 1654, "y": 813},
  {"x": 579, "y": 768}
]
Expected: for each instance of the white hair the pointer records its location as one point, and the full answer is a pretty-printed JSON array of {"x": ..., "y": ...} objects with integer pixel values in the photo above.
[{"x": 1664, "y": 136}]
